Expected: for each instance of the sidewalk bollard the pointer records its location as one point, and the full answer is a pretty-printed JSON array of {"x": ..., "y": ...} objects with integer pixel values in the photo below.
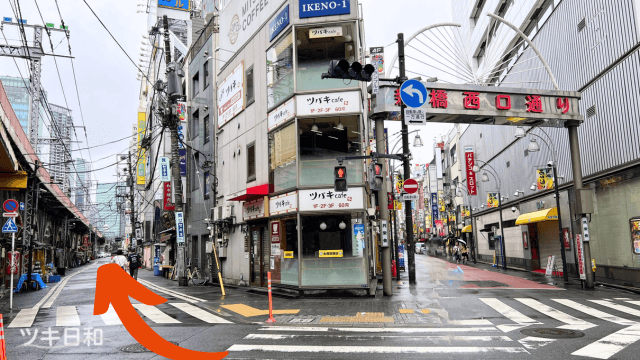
[
  {"x": 271, "y": 319},
  {"x": 3, "y": 348}
]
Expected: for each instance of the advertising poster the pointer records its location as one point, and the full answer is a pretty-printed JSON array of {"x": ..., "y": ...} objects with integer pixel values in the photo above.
[
  {"x": 635, "y": 235},
  {"x": 357, "y": 243},
  {"x": 441, "y": 201},
  {"x": 464, "y": 211},
  {"x": 566, "y": 235},
  {"x": 231, "y": 95},
  {"x": 471, "y": 176},
  {"x": 492, "y": 200},
  {"x": 580, "y": 254},
  {"x": 525, "y": 239},
  {"x": 545, "y": 179}
]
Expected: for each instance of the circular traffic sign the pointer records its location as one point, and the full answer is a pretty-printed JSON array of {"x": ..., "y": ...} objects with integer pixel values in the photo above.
[
  {"x": 410, "y": 186},
  {"x": 10, "y": 205},
  {"x": 413, "y": 93}
]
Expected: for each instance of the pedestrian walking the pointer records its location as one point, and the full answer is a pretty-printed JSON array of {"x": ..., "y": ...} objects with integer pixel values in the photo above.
[
  {"x": 119, "y": 259},
  {"x": 134, "y": 264},
  {"x": 465, "y": 254},
  {"x": 456, "y": 253}
]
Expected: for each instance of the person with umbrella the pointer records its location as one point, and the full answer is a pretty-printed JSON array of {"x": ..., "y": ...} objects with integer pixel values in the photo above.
[{"x": 464, "y": 251}]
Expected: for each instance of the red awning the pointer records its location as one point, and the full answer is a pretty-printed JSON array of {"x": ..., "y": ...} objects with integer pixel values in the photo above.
[{"x": 255, "y": 192}]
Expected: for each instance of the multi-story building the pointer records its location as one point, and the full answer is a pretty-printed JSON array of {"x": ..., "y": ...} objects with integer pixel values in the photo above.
[
  {"x": 18, "y": 92},
  {"x": 82, "y": 185},
  {"x": 597, "y": 52},
  {"x": 108, "y": 212},
  {"x": 279, "y": 129},
  {"x": 61, "y": 130}
]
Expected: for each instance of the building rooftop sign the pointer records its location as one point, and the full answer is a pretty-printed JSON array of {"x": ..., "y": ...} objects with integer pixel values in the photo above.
[{"x": 489, "y": 105}]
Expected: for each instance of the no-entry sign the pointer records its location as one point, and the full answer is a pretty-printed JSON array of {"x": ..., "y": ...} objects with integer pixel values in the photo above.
[{"x": 410, "y": 186}]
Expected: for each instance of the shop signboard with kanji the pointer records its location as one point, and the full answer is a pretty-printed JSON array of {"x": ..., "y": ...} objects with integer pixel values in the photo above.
[
  {"x": 328, "y": 103},
  {"x": 473, "y": 104},
  {"x": 231, "y": 95},
  {"x": 327, "y": 199},
  {"x": 469, "y": 162},
  {"x": 166, "y": 197},
  {"x": 254, "y": 209},
  {"x": 283, "y": 204}
]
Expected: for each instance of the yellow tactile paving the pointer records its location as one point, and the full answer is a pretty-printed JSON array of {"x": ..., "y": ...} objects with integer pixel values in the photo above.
[
  {"x": 361, "y": 317},
  {"x": 425, "y": 311},
  {"x": 406, "y": 311},
  {"x": 248, "y": 311}
]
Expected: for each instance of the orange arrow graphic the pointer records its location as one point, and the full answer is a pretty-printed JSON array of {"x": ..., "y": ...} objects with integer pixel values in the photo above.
[{"x": 114, "y": 286}]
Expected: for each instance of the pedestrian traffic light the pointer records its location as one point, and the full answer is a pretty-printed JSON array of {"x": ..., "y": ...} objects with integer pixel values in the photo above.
[
  {"x": 375, "y": 177},
  {"x": 340, "y": 176},
  {"x": 341, "y": 69},
  {"x": 396, "y": 97}
]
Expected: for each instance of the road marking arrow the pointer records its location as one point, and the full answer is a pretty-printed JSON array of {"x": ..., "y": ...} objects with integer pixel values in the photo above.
[
  {"x": 411, "y": 91},
  {"x": 114, "y": 286}
]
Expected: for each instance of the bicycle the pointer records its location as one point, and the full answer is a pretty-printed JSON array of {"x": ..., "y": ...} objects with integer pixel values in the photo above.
[{"x": 197, "y": 277}]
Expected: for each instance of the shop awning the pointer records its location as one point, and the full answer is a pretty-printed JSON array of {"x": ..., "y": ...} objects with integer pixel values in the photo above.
[
  {"x": 537, "y": 216},
  {"x": 466, "y": 229},
  {"x": 254, "y": 192}
]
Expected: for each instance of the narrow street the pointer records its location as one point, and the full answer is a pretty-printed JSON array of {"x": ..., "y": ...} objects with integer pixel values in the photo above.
[{"x": 473, "y": 314}]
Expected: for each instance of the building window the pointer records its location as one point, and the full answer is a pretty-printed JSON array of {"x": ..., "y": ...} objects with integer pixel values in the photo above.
[
  {"x": 454, "y": 155},
  {"x": 315, "y": 53},
  {"x": 251, "y": 95},
  {"x": 206, "y": 126},
  {"x": 195, "y": 180},
  {"x": 251, "y": 162},
  {"x": 324, "y": 139},
  {"x": 195, "y": 84},
  {"x": 477, "y": 11},
  {"x": 282, "y": 158},
  {"x": 280, "y": 71},
  {"x": 195, "y": 124},
  {"x": 205, "y": 73}
]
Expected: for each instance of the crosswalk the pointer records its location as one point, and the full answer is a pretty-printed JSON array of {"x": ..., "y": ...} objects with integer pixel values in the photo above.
[
  {"x": 75, "y": 316},
  {"x": 490, "y": 337}
]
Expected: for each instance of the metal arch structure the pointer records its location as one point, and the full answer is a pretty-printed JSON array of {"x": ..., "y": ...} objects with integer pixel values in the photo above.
[
  {"x": 535, "y": 49},
  {"x": 426, "y": 28}
]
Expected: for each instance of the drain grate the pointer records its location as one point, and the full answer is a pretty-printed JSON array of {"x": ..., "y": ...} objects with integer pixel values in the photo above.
[
  {"x": 552, "y": 333},
  {"x": 137, "y": 348}
]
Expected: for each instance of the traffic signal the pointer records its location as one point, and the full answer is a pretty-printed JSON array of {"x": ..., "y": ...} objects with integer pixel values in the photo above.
[
  {"x": 341, "y": 69},
  {"x": 340, "y": 178},
  {"x": 396, "y": 97},
  {"x": 375, "y": 177}
]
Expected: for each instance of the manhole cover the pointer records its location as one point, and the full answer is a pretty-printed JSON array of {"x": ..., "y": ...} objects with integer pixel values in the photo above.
[
  {"x": 551, "y": 333},
  {"x": 137, "y": 348}
]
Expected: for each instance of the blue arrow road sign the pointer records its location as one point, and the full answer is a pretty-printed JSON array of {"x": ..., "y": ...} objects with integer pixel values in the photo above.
[
  {"x": 10, "y": 226},
  {"x": 413, "y": 93},
  {"x": 21, "y": 206}
]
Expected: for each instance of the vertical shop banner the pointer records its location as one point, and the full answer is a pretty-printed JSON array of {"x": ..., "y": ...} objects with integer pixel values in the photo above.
[
  {"x": 441, "y": 201},
  {"x": 181, "y": 131},
  {"x": 275, "y": 231},
  {"x": 231, "y": 95},
  {"x": 377, "y": 60},
  {"x": 492, "y": 200},
  {"x": 434, "y": 207},
  {"x": 580, "y": 253},
  {"x": 140, "y": 165},
  {"x": 566, "y": 235},
  {"x": 166, "y": 197},
  {"x": 544, "y": 180},
  {"x": 470, "y": 161},
  {"x": 180, "y": 228},
  {"x": 183, "y": 161},
  {"x": 357, "y": 243},
  {"x": 165, "y": 170},
  {"x": 181, "y": 108}
]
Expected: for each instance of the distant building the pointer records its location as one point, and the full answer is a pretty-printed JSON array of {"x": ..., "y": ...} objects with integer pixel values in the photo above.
[
  {"x": 82, "y": 186},
  {"x": 59, "y": 153},
  {"x": 17, "y": 90},
  {"x": 108, "y": 214}
]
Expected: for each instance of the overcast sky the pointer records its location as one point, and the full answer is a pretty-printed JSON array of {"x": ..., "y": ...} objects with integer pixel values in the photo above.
[{"x": 107, "y": 79}]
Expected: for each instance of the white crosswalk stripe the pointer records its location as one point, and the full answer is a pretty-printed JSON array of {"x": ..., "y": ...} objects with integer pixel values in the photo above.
[
  {"x": 67, "y": 316},
  {"x": 622, "y": 308},
  {"x": 111, "y": 317},
  {"x": 595, "y": 313},
  {"x": 155, "y": 315},
  {"x": 572, "y": 322},
  {"x": 611, "y": 344},
  {"x": 24, "y": 319},
  {"x": 200, "y": 314},
  {"x": 510, "y": 313}
]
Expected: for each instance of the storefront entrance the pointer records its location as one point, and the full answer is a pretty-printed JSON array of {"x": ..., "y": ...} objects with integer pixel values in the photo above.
[{"x": 260, "y": 254}]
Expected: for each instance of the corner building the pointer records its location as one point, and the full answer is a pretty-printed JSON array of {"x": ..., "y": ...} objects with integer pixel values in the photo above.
[{"x": 280, "y": 129}]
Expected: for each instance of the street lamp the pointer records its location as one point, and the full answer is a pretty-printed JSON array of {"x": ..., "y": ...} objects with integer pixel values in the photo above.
[
  {"x": 520, "y": 133},
  {"x": 534, "y": 147},
  {"x": 485, "y": 178},
  {"x": 417, "y": 141}
]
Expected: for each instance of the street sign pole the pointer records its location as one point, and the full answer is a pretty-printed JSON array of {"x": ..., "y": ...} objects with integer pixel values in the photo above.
[
  {"x": 13, "y": 245},
  {"x": 407, "y": 167}
]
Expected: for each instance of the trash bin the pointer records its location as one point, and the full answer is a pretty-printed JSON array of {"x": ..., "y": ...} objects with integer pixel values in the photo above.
[{"x": 156, "y": 270}]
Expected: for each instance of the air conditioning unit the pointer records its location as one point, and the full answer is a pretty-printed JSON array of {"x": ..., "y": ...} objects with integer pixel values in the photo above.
[
  {"x": 209, "y": 247},
  {"x": 214, "y": 214},
  {"x": 222, "y": 252},
  {"x": 227, "y": 211}
]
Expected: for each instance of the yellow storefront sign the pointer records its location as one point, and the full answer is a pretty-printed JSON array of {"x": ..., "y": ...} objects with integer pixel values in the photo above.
[
  {"x": 330, "y": 253},
  {"x": 142, "y": 156},
  {"x": 288, "y": 254}
]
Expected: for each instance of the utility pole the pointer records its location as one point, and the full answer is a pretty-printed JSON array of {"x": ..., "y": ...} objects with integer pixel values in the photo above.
[
  {"x": 384, "y": 213},
  {"x": 31, "y": 213},
  {"x": 174, "y": 92},
  {"x": 407, "y": 169}
]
